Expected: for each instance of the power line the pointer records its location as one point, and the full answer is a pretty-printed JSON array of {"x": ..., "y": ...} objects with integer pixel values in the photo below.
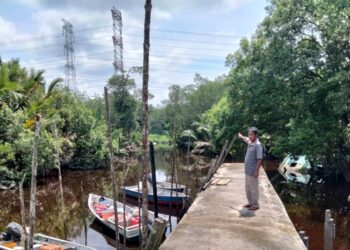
[
  {"x": 101, "y": 62},
  {"x": 170, "y": 39},
  {"x": 157, "y": 55},
  {"x": 184, "y": 32},
  {"x": 85, "y": 43},
  {"x": 174, "y": 45}
]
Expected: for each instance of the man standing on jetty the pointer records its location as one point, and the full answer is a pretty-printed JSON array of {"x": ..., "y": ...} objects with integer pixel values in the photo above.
[{"x": 253, "y": 161}]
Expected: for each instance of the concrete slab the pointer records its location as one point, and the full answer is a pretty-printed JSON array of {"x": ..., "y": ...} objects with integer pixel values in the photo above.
[{"x": 216, "y": 219}]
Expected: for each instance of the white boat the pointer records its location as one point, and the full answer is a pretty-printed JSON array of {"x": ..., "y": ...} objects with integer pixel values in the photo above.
[
  {"x": 41, "y": 240},
  {"x": 103, "y": 210},
  {"x": 295, "y": 169},
  {"x": 296, "y": 163}
]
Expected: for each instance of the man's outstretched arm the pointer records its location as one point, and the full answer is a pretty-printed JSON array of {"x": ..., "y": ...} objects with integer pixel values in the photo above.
[{"x": 245, "y": 139}]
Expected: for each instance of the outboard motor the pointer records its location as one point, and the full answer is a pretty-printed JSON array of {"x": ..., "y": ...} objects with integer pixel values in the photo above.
[{"x": 13, "y": 231}]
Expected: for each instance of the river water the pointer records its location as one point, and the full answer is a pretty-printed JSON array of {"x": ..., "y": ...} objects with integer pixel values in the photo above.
[
  {"x": 305, "y": 204},
  {"x": 81, "y": 226}
]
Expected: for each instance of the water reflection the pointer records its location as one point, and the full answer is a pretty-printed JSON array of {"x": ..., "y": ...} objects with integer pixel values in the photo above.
[
  {"x": 307, "y": 203},
  {"x": 296, "y": 169},
  {"x": 77, "y": 185}
]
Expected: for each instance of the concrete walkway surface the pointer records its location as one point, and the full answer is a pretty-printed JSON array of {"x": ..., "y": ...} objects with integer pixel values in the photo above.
[{"x": 216, "y": 219}]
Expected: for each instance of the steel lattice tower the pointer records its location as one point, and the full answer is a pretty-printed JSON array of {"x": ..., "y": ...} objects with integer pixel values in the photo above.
[
  {"x": 117, "y": 40},
  {"x": 71, "y": 81}
]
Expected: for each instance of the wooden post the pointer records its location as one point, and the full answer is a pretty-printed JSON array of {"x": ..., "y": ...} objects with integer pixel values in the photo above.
[
  {"x": 124, "y": 201},
  {"x": 225, "y": 152},
  {"x": 23, "y": 217},
  {"x": 188, "y": 163},
  {"x": 112, "y": 168},
  {"x": 60, "y": 181},
  {"x": 217, "y": 163},
  {"x": 84, "y": 212},
  {"x": 33, "y": 183},
  {"x": 329, "y": 231},
  {"x": 145, "y": 78},
  {"x": 156, "y": 235},
  {"x": 139, "y": 205},
  {"x": 154, "y": 179},
  {"x": 211, "y": 168}
]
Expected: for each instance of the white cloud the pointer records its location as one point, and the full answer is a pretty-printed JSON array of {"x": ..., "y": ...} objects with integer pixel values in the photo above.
[
  {"x": 174, "y": 58},
  {"x": 160, "y": 14},
  {"x": 7, "y": 31}
]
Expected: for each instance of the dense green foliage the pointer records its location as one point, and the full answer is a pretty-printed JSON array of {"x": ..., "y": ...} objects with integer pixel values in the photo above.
[
  {"x": 292, "y": 81},
  {"x": 123, "y": 104},
  {"x": 184, "y": 109},
  {"x": 81, "y": 138}
]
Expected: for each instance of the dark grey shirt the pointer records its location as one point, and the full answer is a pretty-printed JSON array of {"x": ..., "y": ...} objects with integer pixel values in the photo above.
[{"x": 254, "y": 153}]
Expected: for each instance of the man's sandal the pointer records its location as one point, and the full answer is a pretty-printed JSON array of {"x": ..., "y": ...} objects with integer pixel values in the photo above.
[{"x": 253, "y": 208}]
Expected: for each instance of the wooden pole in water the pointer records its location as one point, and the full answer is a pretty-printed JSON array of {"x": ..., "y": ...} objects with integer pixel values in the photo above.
[
  {"x": 145, "y": 78},
  {"x": 188, "y": 163},
  {"x": 60, "y": 181},
  {"x": 154, "y": 179},
  {"x": 112, "y": 167},
  {"x": 329, "y": 230},
  {"x": 23, "y": 216},
  {"x": 33, "y": 183},
  {"x": 84, "y": 212},
  {"x": 124, "y": 201},
  {"x": 156, "y": 235},
  {"x": 139, "y": 205}
]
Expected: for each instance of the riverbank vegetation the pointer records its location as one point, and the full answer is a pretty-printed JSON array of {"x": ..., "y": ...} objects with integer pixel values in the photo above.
[{"x": 291, "y": 80}]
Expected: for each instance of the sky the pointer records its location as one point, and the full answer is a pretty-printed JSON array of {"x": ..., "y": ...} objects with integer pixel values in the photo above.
[{"x": 187, "y": 37}]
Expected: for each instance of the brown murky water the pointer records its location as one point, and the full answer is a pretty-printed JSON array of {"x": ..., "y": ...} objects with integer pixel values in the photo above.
[
  {"x": 81, "y": 226},
  {"x": 305, "y": 203}
]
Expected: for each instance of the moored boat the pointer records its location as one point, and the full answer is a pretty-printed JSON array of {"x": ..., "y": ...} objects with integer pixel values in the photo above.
[
  {"x": 295, "y": 169},
  {"x": 103, "y": 210},
  {"x": 164, "y": 196},
  {"x": 167, "y": 185},
  {"x": 42, "y": 241}
]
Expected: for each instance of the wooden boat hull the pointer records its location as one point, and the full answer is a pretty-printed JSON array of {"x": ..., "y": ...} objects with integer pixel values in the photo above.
[
  {"x": 295, "y": 169},
  {"x": 41, "y": 239},
  {"x": 173, "y": 210},
  {"x": 164, "y": 197},
  {"x": 132, "y": 232},
  {"x": 167, "y": 185}
]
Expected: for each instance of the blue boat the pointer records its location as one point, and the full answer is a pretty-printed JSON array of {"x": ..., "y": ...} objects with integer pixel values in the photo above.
[{"x": 164, "y": 196}]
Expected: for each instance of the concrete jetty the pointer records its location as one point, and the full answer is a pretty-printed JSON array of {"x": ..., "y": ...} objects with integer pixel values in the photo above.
[{"x": 216, "y": 219}]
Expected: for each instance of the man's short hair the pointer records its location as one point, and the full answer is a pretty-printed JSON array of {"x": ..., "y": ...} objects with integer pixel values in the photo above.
[{"x": 254, "y": 130}]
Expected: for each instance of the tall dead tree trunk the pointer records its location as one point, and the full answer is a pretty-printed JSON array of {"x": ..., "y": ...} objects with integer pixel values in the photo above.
[
  {"x": 58, "y": 165},
  {"x": 23, "y": 210},
  {"x": 112, "y": 168},
  {"x": 33, "y": 183},
  {"x": 146, "y": 46}
]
